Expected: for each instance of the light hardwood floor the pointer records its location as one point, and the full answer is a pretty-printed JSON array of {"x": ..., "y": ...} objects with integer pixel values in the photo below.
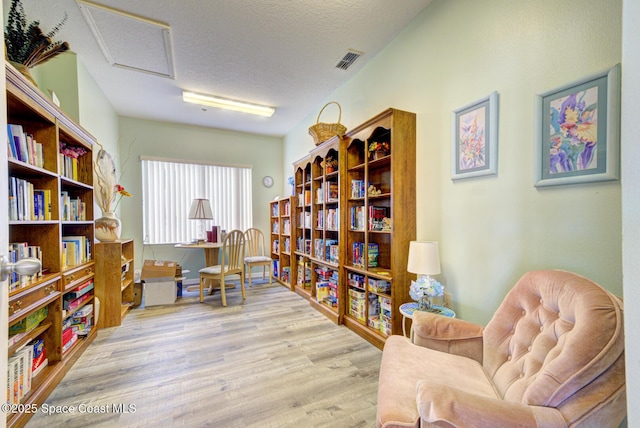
[{"x": 270, "y": 362}]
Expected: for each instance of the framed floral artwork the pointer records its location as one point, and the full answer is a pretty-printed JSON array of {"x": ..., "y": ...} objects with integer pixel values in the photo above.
[
  {"x": 474, "y": 146},
  {"x": 578, "y": 131}
]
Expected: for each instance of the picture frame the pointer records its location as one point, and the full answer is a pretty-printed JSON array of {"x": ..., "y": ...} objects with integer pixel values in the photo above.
[
  {"x": 474, "y": 145},
  {"x": 578, "y": 131}
]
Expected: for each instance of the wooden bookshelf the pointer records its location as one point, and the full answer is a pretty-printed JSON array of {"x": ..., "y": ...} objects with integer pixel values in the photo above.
[
  {"x": 282, "y": 224},
  {"x": 64, "y": 213},
  {"x": 374, "y": 227},
  {"x": 114, "y": 281}
]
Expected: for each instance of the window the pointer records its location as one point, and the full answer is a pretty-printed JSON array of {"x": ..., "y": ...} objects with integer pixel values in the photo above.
[{"x": 169, "y": 187}]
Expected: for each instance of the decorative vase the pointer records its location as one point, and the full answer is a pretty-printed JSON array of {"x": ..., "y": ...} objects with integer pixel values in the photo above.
[
  {"x": 378, "y": 154},
  {"x": 108, "y": 227},
  {"x": 24, "y": 70},
  {"x": 425, "y": 304}
]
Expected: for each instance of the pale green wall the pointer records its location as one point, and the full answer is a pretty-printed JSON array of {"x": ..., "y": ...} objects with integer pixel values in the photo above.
[
  {"x": 170, "y": 140},
  {"x": 60, "y": 75},
  {"x": 82, "y": 100},
  {"x": 491, "y": 230}
]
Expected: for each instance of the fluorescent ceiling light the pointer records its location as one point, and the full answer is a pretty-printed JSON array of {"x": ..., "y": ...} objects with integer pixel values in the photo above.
[{"x": 209, "y": 100}]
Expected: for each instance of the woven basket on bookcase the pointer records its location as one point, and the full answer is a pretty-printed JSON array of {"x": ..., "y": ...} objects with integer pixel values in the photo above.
[{"x": 321, "y": 132}]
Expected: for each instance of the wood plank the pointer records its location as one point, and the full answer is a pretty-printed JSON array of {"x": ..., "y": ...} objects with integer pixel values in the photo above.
[{"x": 271, "y": 360}]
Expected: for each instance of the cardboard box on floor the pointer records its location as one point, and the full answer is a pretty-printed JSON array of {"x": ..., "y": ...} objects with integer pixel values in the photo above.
[{"x": 159, "y": 282}]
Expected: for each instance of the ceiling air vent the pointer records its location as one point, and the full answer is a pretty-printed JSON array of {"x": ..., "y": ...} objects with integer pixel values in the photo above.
[{"x": 348, "y": 59}]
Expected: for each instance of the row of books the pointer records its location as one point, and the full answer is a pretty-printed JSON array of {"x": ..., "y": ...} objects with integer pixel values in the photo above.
[
  {"x": 326, "y": 249},
  {"x": 286, "y": 209},
  {"x": 286, "y": 227},
  {"x": 327, "y": 286},
  {"x": 304, "y": 274},
  {"x": 358, "y": 189},
  {"x": 380, "y": 314},
  {"x": 25, "y": 364},
  {"x": 76, "y": 298},
  {"x": 285, "y": 276},
  {"x": 358, "y": 303},
  {"x": 304, "y": 219},
  {"x": 68, "y": 166},
  {"x": 26, "y": 203},
  {"x": 23, "y": 147},
  {"x": 328, "y": 193},
  {"x": 304, "y": 198},
  {"x": 75, "y": 326},
  {"x": 303, "y": 245},
  {"x": 358, "y": 255},
  {"x": 73, "y": 209},
  {"x": 76, "y": 250},
  {"x": 377, "y": 219},
  {"x": 332, "y": 219},
  {"x": 19, "y": 251}
]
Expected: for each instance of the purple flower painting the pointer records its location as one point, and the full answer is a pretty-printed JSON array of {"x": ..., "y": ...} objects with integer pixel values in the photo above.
[
  {"x": 472, "y": 141},
  {"x": 573, "y": 132}
]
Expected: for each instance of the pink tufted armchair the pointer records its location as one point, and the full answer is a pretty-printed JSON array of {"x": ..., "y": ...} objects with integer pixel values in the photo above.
[{"x": 551, "y": 356}]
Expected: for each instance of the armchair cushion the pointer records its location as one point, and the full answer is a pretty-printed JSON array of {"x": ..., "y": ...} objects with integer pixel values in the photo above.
[
  {"x": 445, "y": 402},
  {"x": 404, "y": 364}
]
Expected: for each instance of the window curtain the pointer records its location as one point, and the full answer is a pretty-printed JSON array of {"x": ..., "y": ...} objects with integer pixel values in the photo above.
[{"x": 169, "y": 187}]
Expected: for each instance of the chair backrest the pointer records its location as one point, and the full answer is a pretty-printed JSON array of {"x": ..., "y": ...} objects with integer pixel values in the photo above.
[
  {"x": 233, "y": 251},
  {"x": 554, "y": 337},
  {"x": 254, "y": 242}
]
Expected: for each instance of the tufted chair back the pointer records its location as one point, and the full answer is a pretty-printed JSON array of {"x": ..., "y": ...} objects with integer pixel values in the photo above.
[{"x": 544, "y": 347}]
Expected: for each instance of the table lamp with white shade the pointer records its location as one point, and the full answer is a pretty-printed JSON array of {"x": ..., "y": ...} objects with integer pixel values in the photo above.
[
  {"x": 201, "y": 211},
  {"x": 424, "y": 260}
]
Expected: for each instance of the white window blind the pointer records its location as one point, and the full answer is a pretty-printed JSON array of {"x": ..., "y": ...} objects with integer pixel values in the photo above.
[{"x": 169, "y": 187}]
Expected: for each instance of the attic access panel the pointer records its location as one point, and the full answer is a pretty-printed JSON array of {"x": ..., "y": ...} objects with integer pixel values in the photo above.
[{"x": 130, "y": 41}]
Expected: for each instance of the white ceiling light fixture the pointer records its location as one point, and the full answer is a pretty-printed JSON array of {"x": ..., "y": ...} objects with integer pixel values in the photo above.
[{"x": 225, "y": 103}]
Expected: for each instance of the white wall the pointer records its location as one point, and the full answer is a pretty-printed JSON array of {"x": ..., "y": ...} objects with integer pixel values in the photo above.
[
  {"x": 144, "y": 137},
  {"x": 631, "y": 202},
  {"x": 492, "y": 230}
]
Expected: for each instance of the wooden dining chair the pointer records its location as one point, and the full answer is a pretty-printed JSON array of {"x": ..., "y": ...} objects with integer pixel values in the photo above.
[
  {"x": 255, "y": 253},
  {"x": 231, "y": 263}
]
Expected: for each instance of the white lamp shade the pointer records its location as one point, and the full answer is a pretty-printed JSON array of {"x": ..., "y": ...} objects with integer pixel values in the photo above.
[
  {"x": 200, "y": 210},
  {"x": 424, "y": 258}
]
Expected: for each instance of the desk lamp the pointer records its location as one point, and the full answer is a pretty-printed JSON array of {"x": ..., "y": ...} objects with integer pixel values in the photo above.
[{"x": 201, "y": 211}]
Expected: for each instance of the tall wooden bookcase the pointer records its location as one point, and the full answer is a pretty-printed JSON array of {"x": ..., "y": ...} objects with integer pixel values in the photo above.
[
  {"x": 355, "y": 215},
  {"x": 64, "y": 214},
  {"x": 378, "y": 283},
  {"x": 114, "y": 281},
  {"x": 281, "y": 225}
]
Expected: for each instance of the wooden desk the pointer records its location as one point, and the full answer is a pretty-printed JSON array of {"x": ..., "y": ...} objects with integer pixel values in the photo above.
[{"x": 211, "y": 254}]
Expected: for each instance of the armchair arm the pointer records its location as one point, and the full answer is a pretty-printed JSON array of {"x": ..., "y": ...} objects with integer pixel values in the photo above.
[
  {"x": 450, "y": 335},
  {"x": 441, "y": 404}
]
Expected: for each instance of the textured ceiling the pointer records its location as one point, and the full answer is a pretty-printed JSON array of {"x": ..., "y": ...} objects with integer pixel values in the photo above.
[{"x": 280, "y": 53}]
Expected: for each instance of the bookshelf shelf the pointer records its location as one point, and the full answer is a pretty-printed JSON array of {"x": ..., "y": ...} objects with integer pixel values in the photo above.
[{"x": 38, "y": 228}]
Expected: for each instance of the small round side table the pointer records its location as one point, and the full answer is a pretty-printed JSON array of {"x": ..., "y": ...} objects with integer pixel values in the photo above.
[{"x": 407, "y": 310}]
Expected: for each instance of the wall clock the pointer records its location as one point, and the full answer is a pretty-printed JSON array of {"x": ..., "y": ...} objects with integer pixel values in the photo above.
[{"x": 267, "y": 181}]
